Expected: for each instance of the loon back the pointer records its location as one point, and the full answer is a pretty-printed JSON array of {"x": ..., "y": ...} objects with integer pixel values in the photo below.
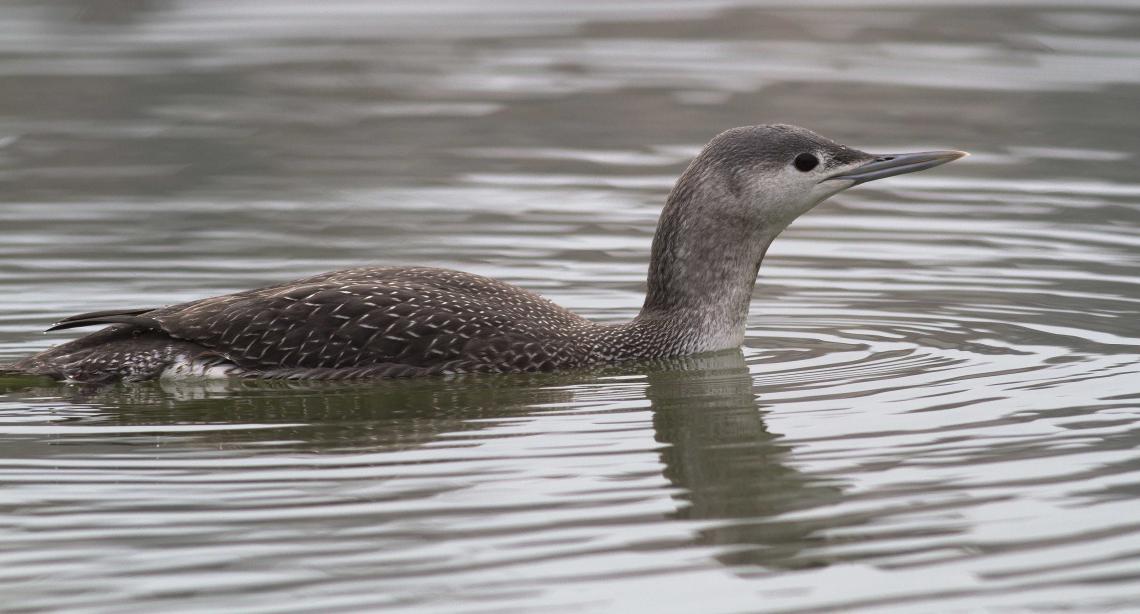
[{"x": 379, "y": 322}]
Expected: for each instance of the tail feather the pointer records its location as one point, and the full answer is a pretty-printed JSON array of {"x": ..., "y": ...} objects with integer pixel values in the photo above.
[{"x": 109, "y": 316}]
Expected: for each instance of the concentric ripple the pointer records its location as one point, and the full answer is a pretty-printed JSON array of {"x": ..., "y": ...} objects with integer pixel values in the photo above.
[{"x": 935, "y": 408}]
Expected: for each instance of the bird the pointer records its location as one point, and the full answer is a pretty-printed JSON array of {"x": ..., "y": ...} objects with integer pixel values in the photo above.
[{"x": 732, "y": 200}]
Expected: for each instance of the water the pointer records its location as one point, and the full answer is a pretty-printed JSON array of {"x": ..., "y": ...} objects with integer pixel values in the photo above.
[{"x": 935, "y": 408}]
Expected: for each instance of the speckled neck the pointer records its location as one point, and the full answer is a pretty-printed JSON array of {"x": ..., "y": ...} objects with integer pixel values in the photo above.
[{"x": 705, "y": 257}]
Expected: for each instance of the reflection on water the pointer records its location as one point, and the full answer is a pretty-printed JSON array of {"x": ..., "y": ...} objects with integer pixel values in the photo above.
[
  {"x": 728, "y": 465},
  {"x": 367, "y": 468},
  {"x": 935, "y": 406}
]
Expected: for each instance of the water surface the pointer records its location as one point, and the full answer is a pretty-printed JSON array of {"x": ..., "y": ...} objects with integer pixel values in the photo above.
[{"x": 934, "y": 410}]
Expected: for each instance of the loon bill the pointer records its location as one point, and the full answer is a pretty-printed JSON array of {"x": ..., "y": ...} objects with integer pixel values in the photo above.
[{"x": 730, "y": 203}]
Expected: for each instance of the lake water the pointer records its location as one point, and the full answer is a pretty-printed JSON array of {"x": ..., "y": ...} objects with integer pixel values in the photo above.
[{"x": 936, "y": 407}]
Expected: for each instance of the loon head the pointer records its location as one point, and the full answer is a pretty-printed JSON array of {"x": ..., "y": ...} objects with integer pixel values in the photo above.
[
  {"x": 735, "y": 197},
  {"x": 771, "y": 174}
]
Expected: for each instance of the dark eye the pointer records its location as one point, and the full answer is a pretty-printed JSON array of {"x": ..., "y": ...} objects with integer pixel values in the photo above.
[{"x": 805, "y": 162}]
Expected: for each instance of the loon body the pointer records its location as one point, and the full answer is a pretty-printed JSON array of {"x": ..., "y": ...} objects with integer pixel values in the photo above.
[{"x": 732, "y": 200}]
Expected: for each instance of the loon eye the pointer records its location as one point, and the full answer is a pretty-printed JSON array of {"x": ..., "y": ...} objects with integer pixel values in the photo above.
[{"x": 805, "y": 162}]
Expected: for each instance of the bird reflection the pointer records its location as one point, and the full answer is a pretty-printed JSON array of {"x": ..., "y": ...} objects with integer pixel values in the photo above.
[
  {"x": 313, "y": 416},
  {"x": 728, "y": 464},
  {"x": 719, "y": 454}
]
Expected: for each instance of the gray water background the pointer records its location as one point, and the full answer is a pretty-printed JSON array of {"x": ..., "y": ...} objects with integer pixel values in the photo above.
[{"x": 935, "y": 409}]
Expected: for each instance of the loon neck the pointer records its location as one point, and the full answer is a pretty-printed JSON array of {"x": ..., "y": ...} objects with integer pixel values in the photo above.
[{"x": 703, "y": 267}]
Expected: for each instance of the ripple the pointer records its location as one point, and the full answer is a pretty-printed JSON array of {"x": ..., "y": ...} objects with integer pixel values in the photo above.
[{"x": 935, "y": 406}]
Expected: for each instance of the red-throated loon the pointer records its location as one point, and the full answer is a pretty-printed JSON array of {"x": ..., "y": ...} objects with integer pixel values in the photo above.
[{"x": 741, "y": 191}]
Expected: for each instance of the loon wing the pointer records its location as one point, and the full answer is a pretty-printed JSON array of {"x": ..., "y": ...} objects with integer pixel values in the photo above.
[
  {"x": 416, "y": 317},
  {"x": 384, "y": 321}
]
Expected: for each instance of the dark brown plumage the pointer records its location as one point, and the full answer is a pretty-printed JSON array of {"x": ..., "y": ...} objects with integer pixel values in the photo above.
[{"x": 382, "y": 322}]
